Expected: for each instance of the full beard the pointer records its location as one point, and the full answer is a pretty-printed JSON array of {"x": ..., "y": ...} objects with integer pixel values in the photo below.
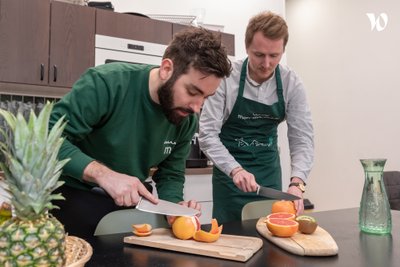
[{"x": 166, "y": 98}]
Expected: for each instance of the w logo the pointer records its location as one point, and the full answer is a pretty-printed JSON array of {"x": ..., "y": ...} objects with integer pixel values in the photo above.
[{"x": 376, "y": 22}]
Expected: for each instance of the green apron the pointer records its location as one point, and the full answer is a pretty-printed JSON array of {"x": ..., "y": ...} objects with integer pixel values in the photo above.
[{"x": 250, "y": 135}]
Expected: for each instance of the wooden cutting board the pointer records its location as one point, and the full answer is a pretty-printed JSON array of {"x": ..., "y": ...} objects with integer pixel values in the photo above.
[
  {"x": 320, "y": 243},
  {"x": 231, "y": 247}
]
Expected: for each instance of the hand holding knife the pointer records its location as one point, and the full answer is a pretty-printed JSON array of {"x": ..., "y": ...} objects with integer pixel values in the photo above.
[
  {"x": 246, "y": 182},
  {"x": 162, "y": 207}
]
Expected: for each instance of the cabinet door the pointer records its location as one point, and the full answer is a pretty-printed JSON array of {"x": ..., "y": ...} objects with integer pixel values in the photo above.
[
  {"x": 72, "y": 42},
  {"x": 132, "y": 27},
  {"x": 227, "y": 39},
  {"x": 24, "y": 41}
]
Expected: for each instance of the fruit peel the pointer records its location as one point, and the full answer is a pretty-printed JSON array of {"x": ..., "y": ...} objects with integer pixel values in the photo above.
[
  {"x": 208, "y": 237},
  {"x": 191, "y": 229}
]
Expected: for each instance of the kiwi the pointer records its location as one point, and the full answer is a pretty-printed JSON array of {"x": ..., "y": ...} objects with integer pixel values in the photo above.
[{"x": 307, "y": 224}]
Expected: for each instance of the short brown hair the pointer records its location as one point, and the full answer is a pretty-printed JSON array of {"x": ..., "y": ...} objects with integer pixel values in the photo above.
[
  {"x": 270, "y": 24},
  {"x": 201, "y": 49}
]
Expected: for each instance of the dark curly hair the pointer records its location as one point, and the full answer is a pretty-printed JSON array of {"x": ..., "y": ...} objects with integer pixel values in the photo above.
[{"x": 201, "y": 49}]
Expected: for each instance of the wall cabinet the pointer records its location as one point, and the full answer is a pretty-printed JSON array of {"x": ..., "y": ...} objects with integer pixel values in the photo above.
[
  {"x": 132, "y": 27},
  {"x": 45, "y": 43},
  {"x": 24, "y": 46},
  {"x": 72, "y": 32}
]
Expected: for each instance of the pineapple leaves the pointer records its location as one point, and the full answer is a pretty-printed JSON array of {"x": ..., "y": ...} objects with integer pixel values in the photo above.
[{"x": 32, "y": 169}]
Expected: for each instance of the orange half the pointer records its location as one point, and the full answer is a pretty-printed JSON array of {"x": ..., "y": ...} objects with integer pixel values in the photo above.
[
  {"x": 282, "y": 227},
  {"x": 281, "y": 215}
]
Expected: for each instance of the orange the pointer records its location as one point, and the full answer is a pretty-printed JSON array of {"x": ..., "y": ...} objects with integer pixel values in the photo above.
[
  {"x": 210, "y": 236},
  {"x": 282, "y": 227},
  {"x": 283, "y": 206},
  {"x": 281, "y": 215},
  {"x": 184, "y": 227},
  {"x": 142, "y": 234},
  {"x": 142, "y": 228}
]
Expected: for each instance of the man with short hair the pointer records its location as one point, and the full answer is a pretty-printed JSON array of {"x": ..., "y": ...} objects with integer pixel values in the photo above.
[
  {"x": 123, "y": 119},
  {"x": 238, "y": 125}
]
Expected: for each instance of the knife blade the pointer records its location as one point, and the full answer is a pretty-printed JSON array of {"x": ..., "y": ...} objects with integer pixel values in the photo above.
[
  {"x": 275, "y": 194},
  {"x": 165, "y": 207}
]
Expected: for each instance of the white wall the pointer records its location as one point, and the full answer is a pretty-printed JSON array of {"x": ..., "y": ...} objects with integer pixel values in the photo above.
[{"x": 352, "y": 77}]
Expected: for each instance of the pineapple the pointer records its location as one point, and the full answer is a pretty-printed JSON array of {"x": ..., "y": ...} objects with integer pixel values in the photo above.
[{"x": 32, "y": 237}]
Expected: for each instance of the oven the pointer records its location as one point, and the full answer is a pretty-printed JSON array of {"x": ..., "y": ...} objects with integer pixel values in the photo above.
[{"x": 112, "y": 49}]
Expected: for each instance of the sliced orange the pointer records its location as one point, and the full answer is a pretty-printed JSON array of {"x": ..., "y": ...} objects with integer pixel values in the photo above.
[
  {"x": 282, "y": 227},
  {"x": 283, "y": 206},
  {"x": 184, "y": 227},
  {"x": 281, "y": 215},
  {"x": 210, "y": 236},
  {"x": 142, "y": 233},
  {"x": 142, "y": 228}
]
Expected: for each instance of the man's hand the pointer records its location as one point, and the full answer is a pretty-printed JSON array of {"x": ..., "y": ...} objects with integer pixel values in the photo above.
[
  {"x": 190, "y": 204},
  {"x": 124, "y": 189},
  {"x": 244, "y": 180},
  {"x": 294, "y": 190}
]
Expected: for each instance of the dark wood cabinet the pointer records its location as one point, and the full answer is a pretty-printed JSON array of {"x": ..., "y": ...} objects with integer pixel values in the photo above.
[
  {"x": 133, "y": 27},
  {"x": 45, "y": 43},
  {"x": 72, "y": 35},
  {"x": 227, "y": 39},
  {"x": 24, "y": 45}
]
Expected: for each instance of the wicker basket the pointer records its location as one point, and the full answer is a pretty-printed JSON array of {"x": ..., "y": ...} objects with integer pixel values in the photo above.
[{"x": 78, "y": 252}]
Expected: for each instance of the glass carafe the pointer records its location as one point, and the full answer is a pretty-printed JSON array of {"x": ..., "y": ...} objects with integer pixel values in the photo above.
[{"x": 374, "y": 214}]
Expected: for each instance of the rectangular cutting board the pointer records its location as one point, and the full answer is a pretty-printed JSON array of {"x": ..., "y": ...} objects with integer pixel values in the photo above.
[
  {"x": 231, "y": 247},
  {"x": 319, "y": 243}
]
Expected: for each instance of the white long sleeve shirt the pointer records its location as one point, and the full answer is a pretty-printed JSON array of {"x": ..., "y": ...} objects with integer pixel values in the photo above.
[{"x": 218, "y": 107}]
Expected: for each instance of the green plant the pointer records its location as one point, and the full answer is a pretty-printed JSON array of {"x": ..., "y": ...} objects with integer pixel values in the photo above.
[{"x": 31, "y": 169}]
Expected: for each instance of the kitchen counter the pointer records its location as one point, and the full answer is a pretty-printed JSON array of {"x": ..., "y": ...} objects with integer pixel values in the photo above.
[
  {"x": 356, "y": 249},
  {"x": 191, "y": 171}
]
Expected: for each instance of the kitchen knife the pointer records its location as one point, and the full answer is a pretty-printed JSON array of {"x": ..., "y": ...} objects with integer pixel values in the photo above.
[
  {"x": 275, "y": 194},
  {"x": 163, "y": 206}
]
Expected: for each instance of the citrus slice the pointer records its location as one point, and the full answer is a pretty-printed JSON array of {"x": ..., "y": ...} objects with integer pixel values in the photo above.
[
  {"x": 142, "y": 233},
  {"x": 210, "y": 236},
  {"x": 283, "y": 206},
  {"x": 281, "y": 215},
  {"x": 282, "y": 227},
  {"x": 142, "y": 228},
  {"x": 184, "y": 227}
]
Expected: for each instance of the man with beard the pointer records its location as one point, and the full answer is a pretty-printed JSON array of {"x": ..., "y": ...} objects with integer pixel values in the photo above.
[
  {"x": 123, "y": 119},
  {"x": 238, "y": 125}
]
